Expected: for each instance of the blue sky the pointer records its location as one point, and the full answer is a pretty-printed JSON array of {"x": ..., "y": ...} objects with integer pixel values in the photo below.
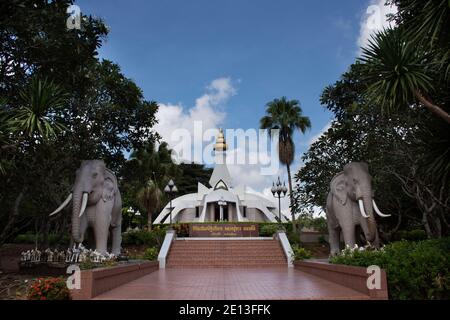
[{"x": 261, "y": 49}]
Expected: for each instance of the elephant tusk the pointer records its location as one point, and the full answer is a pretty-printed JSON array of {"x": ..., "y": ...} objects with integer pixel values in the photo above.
[
  {"x": 361, "y": 208},
  {"x": 378, "y": 210},
  {"x": 83, "y": 204},
  {"x": 62, "y": 206}
]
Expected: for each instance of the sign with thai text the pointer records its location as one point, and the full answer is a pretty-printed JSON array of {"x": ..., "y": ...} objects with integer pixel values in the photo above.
[{"x": 223, "y": 230}]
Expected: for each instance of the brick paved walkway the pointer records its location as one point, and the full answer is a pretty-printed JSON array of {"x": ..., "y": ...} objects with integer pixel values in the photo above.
[{"x": 226, "y": 283}]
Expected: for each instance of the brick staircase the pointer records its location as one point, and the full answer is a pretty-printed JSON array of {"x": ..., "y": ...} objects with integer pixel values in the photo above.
[{"x": 226, "y": 253}]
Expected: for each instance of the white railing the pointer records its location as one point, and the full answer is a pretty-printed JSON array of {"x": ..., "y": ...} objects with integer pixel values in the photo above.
[
  {"x": 162, "y": 256},
  {"x": 281, "y": 236}
]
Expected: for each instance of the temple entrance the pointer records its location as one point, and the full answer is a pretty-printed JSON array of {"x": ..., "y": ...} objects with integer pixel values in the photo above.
[{"x": 217, "y": 216}]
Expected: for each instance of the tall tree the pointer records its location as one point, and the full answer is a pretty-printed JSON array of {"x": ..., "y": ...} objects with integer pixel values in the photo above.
[
  {"x": 150, "y": 197},
  {"x": 397, "y": 149},
  {"x": 286, "y": 116},
  {"x": 104, "y": 114}
]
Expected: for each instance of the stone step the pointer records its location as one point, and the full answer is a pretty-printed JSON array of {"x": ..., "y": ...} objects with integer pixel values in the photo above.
[{"x": 226, "y": 253}]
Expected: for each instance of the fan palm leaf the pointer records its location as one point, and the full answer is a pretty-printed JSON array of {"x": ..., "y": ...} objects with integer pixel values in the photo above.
[
  {"x": 398, "y": 73},
  {"x": 40, "y": 102}
]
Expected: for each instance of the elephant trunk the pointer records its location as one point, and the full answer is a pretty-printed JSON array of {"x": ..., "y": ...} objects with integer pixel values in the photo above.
[
  {"x": 371, "y": 223},
  {"x": 77, "y": 195}
]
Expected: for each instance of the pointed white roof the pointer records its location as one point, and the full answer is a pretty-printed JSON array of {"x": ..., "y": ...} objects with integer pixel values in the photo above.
[{"x": 220, "y": 171}]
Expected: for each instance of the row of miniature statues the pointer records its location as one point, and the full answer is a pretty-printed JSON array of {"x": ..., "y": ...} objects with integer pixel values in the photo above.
[{"x": 76, "y": 254}]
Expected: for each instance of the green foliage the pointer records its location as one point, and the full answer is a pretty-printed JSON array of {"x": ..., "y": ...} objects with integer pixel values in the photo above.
[
  {"x": 402, "y": 181},
  {"x": 151, "y": 254},
  {"x": 396, "y": 70},
  {"x": 411, "y": 235},
  {"x": 88, "y": 264},
  {"x": 268, "y": 230},
  {"x": 415, "y": 270},
  {"x": 191, "y": 175},
  {"x": 300, "y": 253},
  {"x": 322, "y": 240},
  {"x": 318, "y": 224},
  {"x": 62, "y": 105},
  {"x": 287, "y": 116},
  {"x": 53, "y": 239},
  {"x": 48, "y": 289},
  {"x": 293, "y": 237},
  {"x": 153, "y": 238},
  {"x": 39, "y": 101},
  {"x": 181, "y": 229},
  {"x": 147, "y": 173}
]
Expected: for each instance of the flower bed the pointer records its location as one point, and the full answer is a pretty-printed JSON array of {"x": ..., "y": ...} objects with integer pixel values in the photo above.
[{"x": 49, "y": 289}]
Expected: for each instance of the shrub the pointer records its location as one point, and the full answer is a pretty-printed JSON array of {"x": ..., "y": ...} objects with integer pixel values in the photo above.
[
  {"x": 411, "y": 235},
  {"x": 318, "y": 224},
  {"x": 300, "y": 253},
  {"x": 268, "y": 230},
  {"x": 322, "y": 240},
  {"x": 49, "y": 289},
  {"x": 151, "y": 254},
  {"x": 182, "y": 229},
  {"x": 293, "y": 237},
  {"x": 415, "y": 270},
  {"x": 153, "y": 238},
  {"x": 88, "y": 263}
]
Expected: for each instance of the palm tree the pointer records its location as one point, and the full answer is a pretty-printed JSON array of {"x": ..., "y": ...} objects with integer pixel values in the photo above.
[
  {"x": 150, "y": 197},
  {"x": 427, "y": 22},
  {"x": 399, "y": 73},
  {"x": 39, "y": 102},
  {"x": 285, "y": 115},
  {"x": 157, "y": 164}
]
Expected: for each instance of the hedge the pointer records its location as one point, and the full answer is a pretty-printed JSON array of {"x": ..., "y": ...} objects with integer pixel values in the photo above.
[
  {"x": 415, "y": 270},
  {"x": 153, "y": 238}
]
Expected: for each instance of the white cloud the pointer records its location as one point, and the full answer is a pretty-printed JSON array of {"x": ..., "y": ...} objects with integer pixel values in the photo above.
[
  {"x": 207, "y": 109},
  {"x": 374, "y": 19}
]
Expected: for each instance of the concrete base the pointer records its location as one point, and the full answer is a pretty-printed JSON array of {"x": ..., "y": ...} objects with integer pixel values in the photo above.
[
  {"x": 98, "y": 281},
  {"x": 348, "y": 276}
]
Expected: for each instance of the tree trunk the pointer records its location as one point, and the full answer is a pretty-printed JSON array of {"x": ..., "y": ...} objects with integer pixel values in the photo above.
[
  {"x": 433, "y": 108},
  {"x": 149, "y": 219},
  {"x": 291, "y": 198},
  {"x": 46, "y": 233},
  {"x": 427, "y": 225},
  {"x": 12, "y": 218}
]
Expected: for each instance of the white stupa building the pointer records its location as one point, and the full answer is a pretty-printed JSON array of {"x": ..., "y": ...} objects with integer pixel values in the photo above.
[{"x": 221, "y": 201}]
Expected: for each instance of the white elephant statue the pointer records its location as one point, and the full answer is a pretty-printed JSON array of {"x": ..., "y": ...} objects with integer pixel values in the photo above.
[
  {"x": 96, "y": 205},
  {"x": 350, "y": 203}
]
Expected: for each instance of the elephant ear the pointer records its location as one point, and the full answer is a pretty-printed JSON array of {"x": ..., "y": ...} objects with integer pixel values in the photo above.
[
  {"x": 109, "y": 186},
  {"x": 339, "y": 188}
]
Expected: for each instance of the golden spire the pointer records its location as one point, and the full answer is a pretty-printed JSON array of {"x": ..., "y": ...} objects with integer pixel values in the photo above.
[{"x": 220, "y": 142}]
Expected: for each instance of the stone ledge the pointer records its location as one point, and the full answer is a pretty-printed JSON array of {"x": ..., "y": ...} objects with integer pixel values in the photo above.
[
  {"x": 100, "y": 280},
  {"x": 348, "y": 276}
]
